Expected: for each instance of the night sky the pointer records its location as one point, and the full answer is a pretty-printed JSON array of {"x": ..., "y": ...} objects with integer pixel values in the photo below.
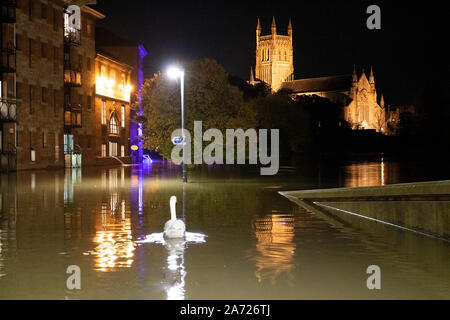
[{"x": 329, "y": 37}]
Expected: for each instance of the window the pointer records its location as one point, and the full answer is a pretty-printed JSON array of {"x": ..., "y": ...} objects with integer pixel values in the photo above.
[
  {"x": 18, "y": 42},
  {"x": 43, "y": 50},
  {"x": 30, "y": 52},
  {"x": 44, "y": 95},
  {"x": 44, "y": 139},
  {"x": 103, "y": 112},
  {"x": 30, "y": 9},
  {"x": 103, "y": 71},
  {"x": 55, "y": 19},
  {"x": 88, "y": 102},
  {"x": 123, "y": 116},
  {"x": 30, "y": 97},
  {"x": 55, "y": 59},
  {"x": 122, "y": 151},
  {"x": 113, "y": 125},
  {"x": 55, "y": 102},
  {"x": 43, "y": 11},
  {"x": 103, "y": 150}
]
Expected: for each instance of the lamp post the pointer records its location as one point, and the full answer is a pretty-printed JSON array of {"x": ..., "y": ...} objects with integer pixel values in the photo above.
[{"x": 178, "y": 73}]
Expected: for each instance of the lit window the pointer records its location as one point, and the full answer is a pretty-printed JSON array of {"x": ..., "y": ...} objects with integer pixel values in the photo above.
[
  {"x": 123, "y": 116},
  {"x": 103, "y": 112},
  {"x": 122, "y": 151},
  {"x": 113, "y": 125},
  {"x": 103, "y": 150}
]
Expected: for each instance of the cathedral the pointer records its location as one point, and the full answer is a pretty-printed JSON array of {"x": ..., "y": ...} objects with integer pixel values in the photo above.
[{"x": 355, "y": 93}]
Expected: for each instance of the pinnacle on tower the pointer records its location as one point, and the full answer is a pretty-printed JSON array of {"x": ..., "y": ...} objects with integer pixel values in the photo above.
[
  {"x": 252, "y": 78},
  {"x": 371, "y": 77},
  {"x": 258, "y": 30},
  {"x": 382, "y": 101},
  {"x": 274, "y": 26},
  {"x": 290, "y": 28},
  {"x": 354, "y": 76}
]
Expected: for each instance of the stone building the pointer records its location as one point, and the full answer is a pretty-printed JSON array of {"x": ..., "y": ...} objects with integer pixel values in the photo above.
[
  {"x": 132, "y": 54},
  {"x": 50, "y": 111},
  {"x": 357, "y": 94},
  {"x": 112, "y": 101}
]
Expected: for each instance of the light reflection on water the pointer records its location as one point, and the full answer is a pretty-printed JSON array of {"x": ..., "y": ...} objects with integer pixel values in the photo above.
[
  {"x": 109, "y": 222},
  {"x": 275, "y": 246}
]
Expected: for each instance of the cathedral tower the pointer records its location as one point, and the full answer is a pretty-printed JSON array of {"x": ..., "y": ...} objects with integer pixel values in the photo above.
[{"x": 274, "y": 56}]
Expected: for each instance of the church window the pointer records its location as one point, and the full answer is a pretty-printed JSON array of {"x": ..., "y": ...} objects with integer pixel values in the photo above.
[
  {"x": 285, "y": 56},
  {"x": 113, "y": 128}
]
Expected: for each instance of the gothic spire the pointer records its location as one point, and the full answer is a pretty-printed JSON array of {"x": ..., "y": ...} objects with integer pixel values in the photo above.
[
  {"x": 258, "y": 25},
  {"x": 354, "y": 76},
  {"x": 274, "y": 26},
  {"x": 252, "y": 78},
  {"x": 290, "y": 28},
  {"x": 371, "y": 77}
]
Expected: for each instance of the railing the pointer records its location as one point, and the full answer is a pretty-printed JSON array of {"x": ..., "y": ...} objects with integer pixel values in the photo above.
[
  {"x": 8, "y": 58},
  {"x": 8, "y": 11},
  {"x": 72, "y": 74},
  {"x": 72, "y": 116},
  {"x": 8, "y": 110}
]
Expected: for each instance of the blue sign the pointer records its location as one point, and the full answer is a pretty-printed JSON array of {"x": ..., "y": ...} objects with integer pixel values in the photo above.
[{"x": 177, "y": 140}]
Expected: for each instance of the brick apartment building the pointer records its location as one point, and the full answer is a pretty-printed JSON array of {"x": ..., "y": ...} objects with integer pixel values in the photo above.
[{"x": 63, "y": 103}]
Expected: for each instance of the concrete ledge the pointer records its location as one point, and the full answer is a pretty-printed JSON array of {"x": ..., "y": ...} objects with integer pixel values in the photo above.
[{"x": 421, "y": 207}]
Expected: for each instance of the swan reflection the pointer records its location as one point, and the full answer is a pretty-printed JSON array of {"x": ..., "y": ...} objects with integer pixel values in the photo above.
[{"x": 175, "y": 273}]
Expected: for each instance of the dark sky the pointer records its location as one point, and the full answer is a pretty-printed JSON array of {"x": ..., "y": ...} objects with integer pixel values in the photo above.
[{"x": 329, "y": 37}]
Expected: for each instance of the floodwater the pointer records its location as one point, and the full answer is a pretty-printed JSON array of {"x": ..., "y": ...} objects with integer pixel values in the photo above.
[{"x": 245, "y": 241}]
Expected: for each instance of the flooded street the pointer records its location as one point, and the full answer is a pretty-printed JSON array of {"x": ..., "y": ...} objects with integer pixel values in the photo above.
[{"x": 246, "y": 241}]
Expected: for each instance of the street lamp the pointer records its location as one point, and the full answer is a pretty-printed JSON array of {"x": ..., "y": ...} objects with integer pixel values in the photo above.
[{"x": 178, "y": 73}]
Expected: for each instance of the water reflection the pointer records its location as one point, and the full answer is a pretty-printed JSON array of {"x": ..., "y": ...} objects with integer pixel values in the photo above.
[
  {"x": 175, "y": 272},
  {"x": 114, "y": 244},
  {"x": 275, "y": 246},
  {"x": 368, "y": 174}
]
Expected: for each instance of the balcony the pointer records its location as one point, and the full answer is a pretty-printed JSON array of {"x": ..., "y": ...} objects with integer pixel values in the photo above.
[
  {"x": 8, "y": 11},
  {"x": 8, "y": 59},
  {"x": 72, "y": 116},
  {"x": 72, "y": 33},
  {"x": 72, "y": 75},
  {"x": 8, "y": 110}
]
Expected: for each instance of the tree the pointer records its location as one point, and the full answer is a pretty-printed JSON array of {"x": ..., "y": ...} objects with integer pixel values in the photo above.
[{"x": 209, "y": 97}]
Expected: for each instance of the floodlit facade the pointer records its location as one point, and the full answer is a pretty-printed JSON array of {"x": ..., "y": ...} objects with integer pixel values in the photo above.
[
  {"x": 362, "y": 108},
  {"x": 112, "y": 108}
]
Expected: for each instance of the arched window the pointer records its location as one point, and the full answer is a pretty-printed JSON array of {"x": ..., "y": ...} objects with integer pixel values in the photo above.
[{"x": 113, "y": 128}]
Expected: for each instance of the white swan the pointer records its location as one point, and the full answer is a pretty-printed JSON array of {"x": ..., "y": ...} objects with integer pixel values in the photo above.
[{"x": 174, "y": 228}]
